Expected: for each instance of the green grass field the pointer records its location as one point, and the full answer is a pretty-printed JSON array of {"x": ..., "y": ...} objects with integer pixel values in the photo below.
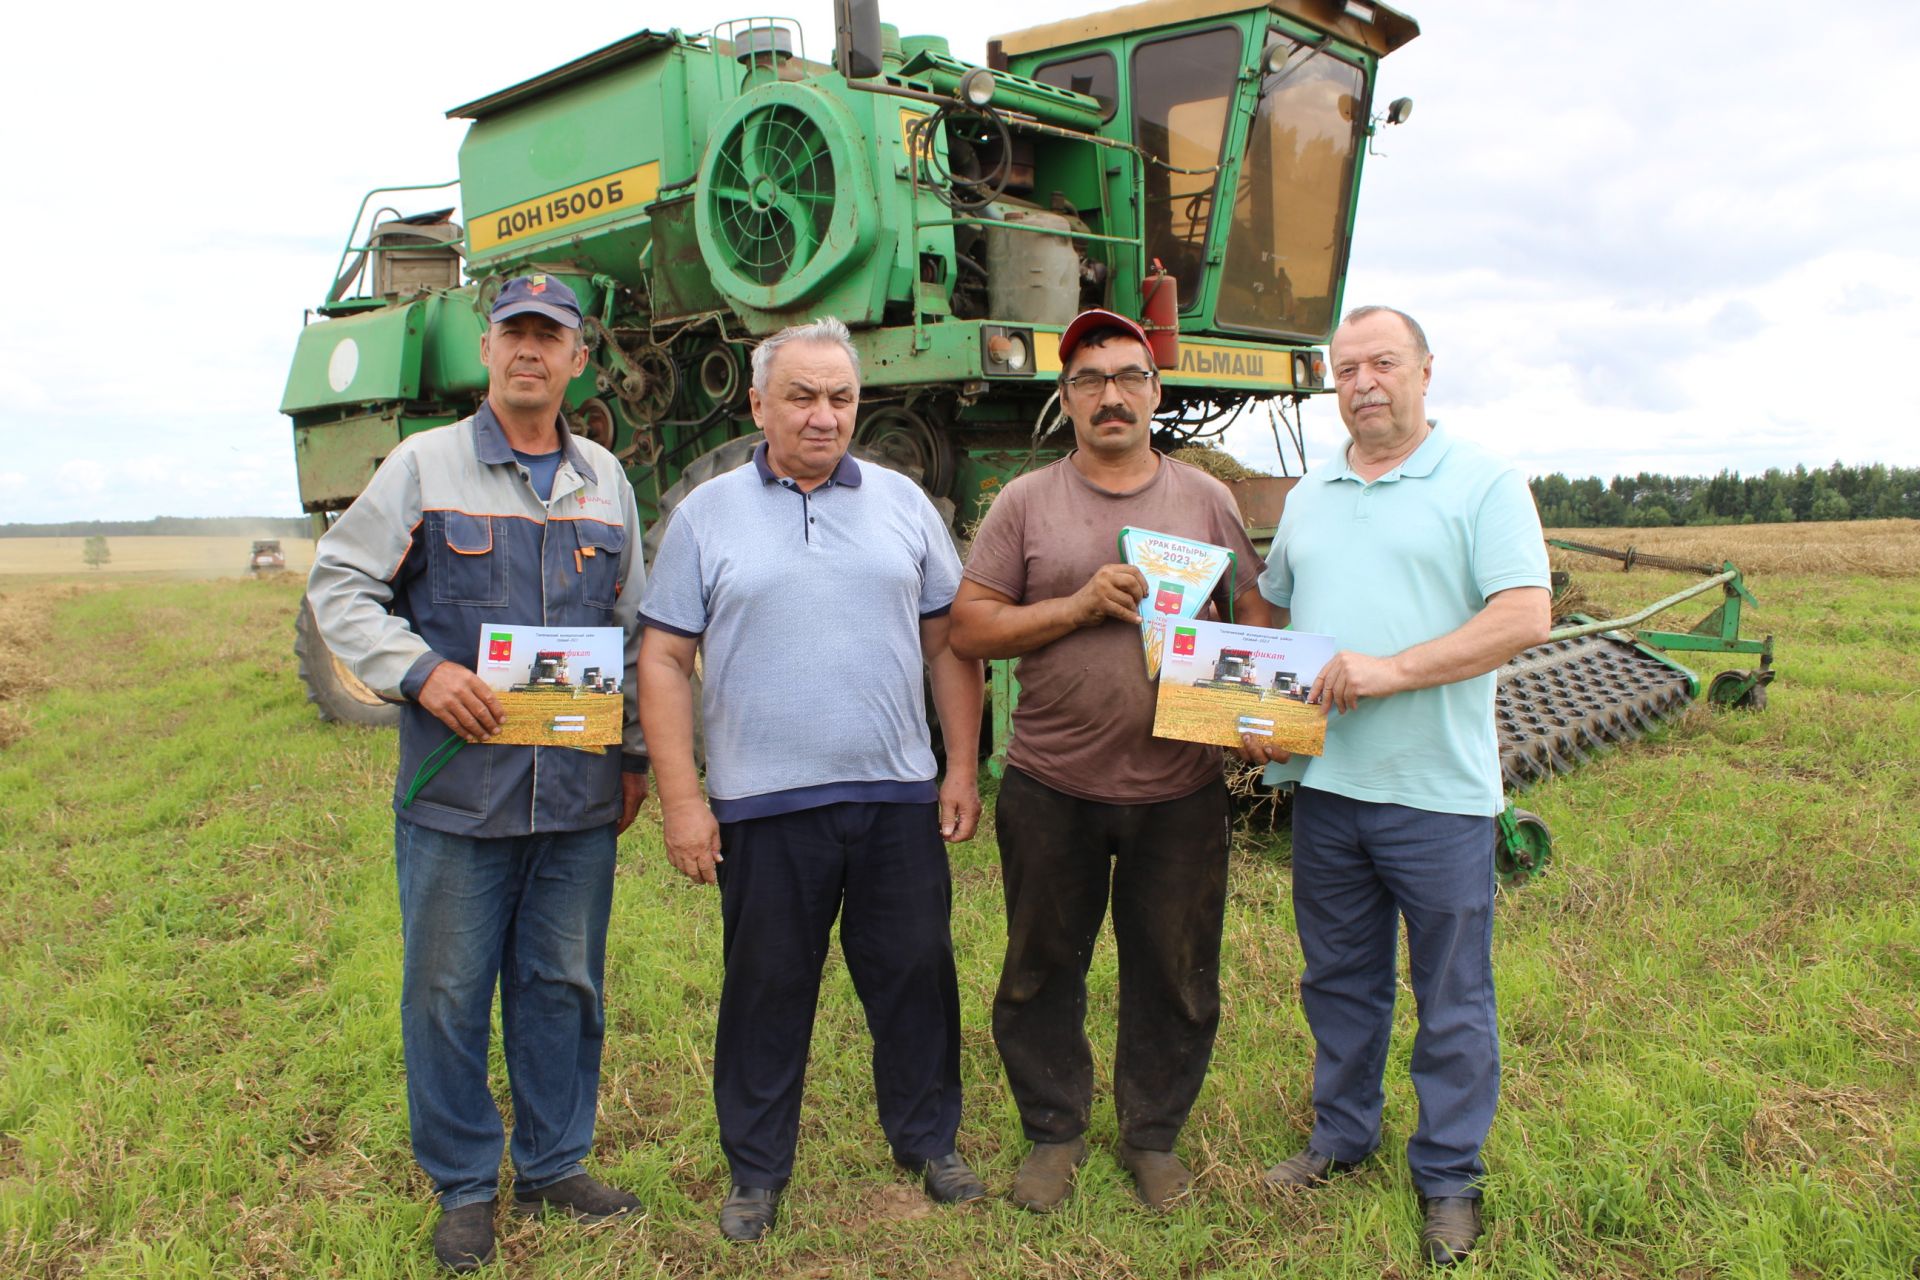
[{"x": 1711, "y": 1005}]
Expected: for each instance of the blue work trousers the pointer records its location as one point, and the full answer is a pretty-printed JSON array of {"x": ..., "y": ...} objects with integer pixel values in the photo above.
[
  {"x": 528, "y": 914},
  {"x": 1359, "y": 867}
]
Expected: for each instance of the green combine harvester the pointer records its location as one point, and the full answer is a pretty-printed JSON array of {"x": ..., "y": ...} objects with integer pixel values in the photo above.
[{"x": 1193, "y": 162}]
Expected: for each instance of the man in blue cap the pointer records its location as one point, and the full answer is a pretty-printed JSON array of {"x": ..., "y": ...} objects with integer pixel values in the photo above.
[{"x": 505, "y": 855}]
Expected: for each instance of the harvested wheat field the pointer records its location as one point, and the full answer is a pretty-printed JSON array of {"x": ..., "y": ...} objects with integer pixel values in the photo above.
[
  {"x": 1886, "y": 548},
  {"x": 1209, "y": 715},
  {"x": 151, "y": 557},
  {"x": 535, "y": 717}
]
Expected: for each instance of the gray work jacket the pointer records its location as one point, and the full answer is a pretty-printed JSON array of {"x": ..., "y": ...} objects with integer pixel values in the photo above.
[{"x": 450, "y": 536}]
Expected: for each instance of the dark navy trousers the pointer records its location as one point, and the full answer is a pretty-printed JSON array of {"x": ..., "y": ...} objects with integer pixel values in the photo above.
[
  {"x": 1358, "y": 868},
  {"x": 882, "y": 869}
]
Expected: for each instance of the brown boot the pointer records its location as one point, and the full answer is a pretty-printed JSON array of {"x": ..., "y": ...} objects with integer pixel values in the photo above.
[
  {"x": 1046, "y": 1175},
  {"x": 1158, "y": 1176}
]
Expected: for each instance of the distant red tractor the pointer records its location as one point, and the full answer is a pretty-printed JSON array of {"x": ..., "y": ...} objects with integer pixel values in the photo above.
[{"x": 267, "y": 557}]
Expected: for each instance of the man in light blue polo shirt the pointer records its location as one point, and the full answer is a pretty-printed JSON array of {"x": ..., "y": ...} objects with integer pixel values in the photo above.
[
  {"x": 1421, "y": 555},
  {"x": 813, "y": 589}
]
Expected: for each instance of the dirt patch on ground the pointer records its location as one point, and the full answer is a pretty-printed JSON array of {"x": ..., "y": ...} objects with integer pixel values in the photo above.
[
  {"x": 24, "y": 637},
  {"x": 1844, "y": 1131}
]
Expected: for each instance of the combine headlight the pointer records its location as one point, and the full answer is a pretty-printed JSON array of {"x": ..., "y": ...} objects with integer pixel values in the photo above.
[
  {"x": 1309, "y": 370},
  {"x": 976, "y": 87},
  {"x": 1006, "y": 351}
]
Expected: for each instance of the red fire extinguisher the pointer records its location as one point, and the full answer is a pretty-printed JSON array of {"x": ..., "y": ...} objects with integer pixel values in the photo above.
[{"x": 1160, "y": 316}]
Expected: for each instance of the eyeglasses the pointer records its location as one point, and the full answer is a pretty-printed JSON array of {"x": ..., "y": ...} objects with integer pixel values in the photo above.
[{"x": 1130, "y": 381}]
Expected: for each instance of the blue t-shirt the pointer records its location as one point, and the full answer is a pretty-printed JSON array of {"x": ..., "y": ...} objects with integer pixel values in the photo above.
[
  {"x": 1390, "y": 564},
  {"x": 541, "y": 468}
]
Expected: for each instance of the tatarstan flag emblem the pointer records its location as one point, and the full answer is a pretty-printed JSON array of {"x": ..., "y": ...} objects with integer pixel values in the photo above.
[
  {"x": 1183, "y": 641},
  {"x": 499, "y": 646},
  {"x": 1168, "y": 598}
]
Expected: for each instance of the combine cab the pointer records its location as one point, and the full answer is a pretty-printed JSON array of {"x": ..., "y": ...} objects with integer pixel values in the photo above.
[
  {"x": 1197, "y": 161},
  {"x": 546, "y": 673},
  {"x": 1233, "y": 671}
]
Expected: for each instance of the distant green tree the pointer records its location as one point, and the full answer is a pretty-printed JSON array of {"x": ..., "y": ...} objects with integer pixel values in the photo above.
[
  {"x": 95, "y": 551},
  {"x": 1650, "y": 516},
  {"x": 1829, "y": 504}
]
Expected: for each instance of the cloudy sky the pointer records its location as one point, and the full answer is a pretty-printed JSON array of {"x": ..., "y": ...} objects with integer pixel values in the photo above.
[{"x": 1652, "y": 234}]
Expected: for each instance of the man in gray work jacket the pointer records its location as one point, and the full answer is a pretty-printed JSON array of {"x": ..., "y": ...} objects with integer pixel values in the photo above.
[{"x": 506, "y": 853}]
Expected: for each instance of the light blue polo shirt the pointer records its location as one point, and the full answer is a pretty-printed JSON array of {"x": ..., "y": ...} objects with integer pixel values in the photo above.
[
  {"x": 1384, "y": 566},
  {"x": 808, "y": 607}
]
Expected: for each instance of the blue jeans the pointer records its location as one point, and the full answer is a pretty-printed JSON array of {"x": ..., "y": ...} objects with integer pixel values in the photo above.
[
  {"x": 1358, "y": 868},
  {"x": 528, "y": 913}
]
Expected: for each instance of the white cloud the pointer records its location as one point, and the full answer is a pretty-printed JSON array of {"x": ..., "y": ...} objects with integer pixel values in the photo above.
[{"x": 1640, "y": 236}]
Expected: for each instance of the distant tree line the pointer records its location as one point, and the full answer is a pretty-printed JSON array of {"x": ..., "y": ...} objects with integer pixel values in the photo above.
[
  {"x": 1777, "y": 497},
  {"x": 167, "y": 526}
]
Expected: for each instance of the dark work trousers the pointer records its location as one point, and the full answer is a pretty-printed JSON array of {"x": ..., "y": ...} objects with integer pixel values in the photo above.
[
  {"x": 1167, "y": 864},
  {"x": 881, "y": 868},
  {"x": 1357, "y": 868}
]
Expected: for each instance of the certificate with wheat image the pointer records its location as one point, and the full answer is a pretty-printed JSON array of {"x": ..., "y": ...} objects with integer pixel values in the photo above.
[
  {"x": 1181, "y": 574},
  {"x": 1221, "y": 682}
]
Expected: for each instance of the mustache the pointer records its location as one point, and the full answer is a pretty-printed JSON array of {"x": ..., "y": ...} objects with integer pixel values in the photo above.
[
  {"x": 1363, "y": 403},
  {"x": 1114, "y": 413}
]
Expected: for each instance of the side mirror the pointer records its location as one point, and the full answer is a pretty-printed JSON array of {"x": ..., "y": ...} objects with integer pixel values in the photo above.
[{"x": 856, "y": 38}]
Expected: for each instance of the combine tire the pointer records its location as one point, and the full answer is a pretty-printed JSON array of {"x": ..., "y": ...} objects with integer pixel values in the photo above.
[{"x": 336, "y": 693}]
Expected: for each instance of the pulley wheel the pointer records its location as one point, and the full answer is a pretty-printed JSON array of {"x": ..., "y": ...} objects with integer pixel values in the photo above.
[{"x": 914, "y": 445}]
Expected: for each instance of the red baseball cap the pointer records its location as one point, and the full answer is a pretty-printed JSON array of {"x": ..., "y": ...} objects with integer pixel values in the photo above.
[{"x": 1087, "y": 321}]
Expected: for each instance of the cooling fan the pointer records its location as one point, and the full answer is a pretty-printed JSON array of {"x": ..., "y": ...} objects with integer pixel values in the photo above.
[{"x": 786, "y": 205}]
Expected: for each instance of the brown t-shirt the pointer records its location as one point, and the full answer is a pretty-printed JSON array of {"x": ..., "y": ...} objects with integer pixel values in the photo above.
[{"x": 1084, "y": 723}]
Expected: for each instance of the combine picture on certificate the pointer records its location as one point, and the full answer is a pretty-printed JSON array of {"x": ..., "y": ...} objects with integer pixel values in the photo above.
[{"x": 560, "y": 686}]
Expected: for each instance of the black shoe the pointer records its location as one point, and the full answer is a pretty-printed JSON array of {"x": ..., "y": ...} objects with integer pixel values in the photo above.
[
  {"x": 463, "y": 1238},
  {"x": 948, "y": 1180},
  {"x": 1451, "y": 1229},
  {"x": 748, "y": 1213},
  {"x": 582, "y": 1198},
  {"x": 1306, "y": 1168}
]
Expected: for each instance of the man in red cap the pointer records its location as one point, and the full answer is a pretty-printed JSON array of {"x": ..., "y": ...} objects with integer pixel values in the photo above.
[{"x": 1091, "y": 798}]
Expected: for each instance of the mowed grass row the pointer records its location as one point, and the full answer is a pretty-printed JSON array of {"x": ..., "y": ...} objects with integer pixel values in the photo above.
[{"x": 1711, "y": 1033}]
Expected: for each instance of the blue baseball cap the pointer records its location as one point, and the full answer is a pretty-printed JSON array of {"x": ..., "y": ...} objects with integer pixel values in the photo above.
[{"x": 537, "y": 295}]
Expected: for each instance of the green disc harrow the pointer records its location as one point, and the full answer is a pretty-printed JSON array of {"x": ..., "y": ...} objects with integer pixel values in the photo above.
[{"x": 1596, "y": 684}]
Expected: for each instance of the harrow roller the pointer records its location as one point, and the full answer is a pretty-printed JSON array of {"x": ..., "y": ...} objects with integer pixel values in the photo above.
[{"x": 1559, "y": 703}]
